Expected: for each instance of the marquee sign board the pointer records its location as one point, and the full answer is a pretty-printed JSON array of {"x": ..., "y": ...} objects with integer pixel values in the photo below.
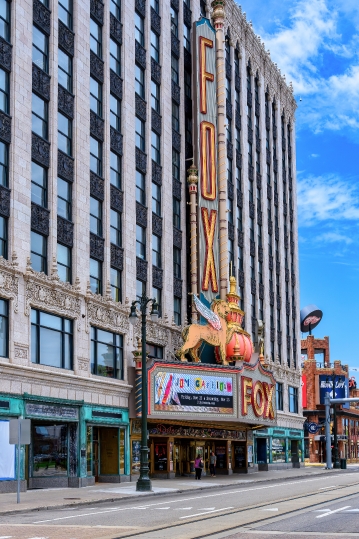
[{"x": 205, "y": 136}]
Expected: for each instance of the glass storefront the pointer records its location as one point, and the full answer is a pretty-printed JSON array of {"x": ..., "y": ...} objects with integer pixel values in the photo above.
[
  {"x": 278, "y": 449},
  {"x": 49, "y": 449},
  {"x": 106, "y": 452}
]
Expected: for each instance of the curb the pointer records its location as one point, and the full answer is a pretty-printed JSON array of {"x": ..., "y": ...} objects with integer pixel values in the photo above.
[{"x": 138, "y": 496}]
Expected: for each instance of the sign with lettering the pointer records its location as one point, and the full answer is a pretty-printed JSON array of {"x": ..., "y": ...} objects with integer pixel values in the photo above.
[
  {"x": 339, "y": 391},
  {"x": 192, "y": 390},
  {"x": 257, "y": 394},
  {"x": 51, "y": 411},
  {"x": 206, "y": 157}
]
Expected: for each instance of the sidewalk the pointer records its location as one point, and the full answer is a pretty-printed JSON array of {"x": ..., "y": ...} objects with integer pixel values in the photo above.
[{"x": 104, "y": 492}]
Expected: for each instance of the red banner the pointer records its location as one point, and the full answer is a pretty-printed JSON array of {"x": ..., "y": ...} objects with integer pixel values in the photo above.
[{"x": 304, "y": 390}]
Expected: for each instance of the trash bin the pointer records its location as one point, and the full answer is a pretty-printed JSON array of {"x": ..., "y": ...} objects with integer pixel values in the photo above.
[{"x": 343, "y": 464}]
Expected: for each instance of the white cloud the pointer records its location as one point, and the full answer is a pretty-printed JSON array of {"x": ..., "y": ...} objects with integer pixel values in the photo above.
[
  {"x": 326, "y": 198},
  {"x": 314, "y": 155},
  {"x": 334, "y": 237}
]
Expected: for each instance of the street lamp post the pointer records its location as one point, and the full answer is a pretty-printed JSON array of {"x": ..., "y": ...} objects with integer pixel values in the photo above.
[
  {"x": 336, "y": 463},
  {"x": 144, "y": 482}
]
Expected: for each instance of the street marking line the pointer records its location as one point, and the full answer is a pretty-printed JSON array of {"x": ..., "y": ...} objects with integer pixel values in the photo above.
[
  {"x": 271, "y": 509},
  {"x": 207, "y": 512},
  {"x": 6, "y": 537},
  {"x": 332, "y": 512},
  {"x": 323, "y": 488},
  {"x": 274, "y": 485},
  {"x": 352, "y": 511}
]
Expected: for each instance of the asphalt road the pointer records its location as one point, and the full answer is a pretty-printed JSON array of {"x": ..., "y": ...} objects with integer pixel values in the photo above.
[{"x": 311, "y": 507}]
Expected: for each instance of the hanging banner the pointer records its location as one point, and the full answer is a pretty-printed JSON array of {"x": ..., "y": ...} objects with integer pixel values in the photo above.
[{"x": 205, "y": 129}]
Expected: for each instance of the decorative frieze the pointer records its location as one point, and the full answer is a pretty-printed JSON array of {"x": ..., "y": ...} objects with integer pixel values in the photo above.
[
  {"x": 229, "y": 109},
  {"x": 175, "y": 45},
  {"x": 97, "y": 247},
  {"x": 240, "y": 278},
  {"x": 229, "y": 150},
  {"x": 237, "y": 82},
  {"x": 261, "y": 291},
  {"x": 116, "y": 257},
  {"x": 228, "y": 70},
  {"x": 157, "y": 277},
  {"x": 65, "y": 166},
  {"x": 9, "y": 280},
  {"x": 115, "y": 29},
  {"x": 176, "y": 92},
  {"x": 155, "y": 21},
  {"x": 40, "y": 150},
  {"x": 96, "y": 126},
  {"x": 259, "y": 217},
  {"x": 156, "y": 173},
  {"x": 116, "y": 141},
  {"x": 116, "y": 84},
  {"x": 41, "y": 16},
  {"x": 116, "y": 197},
  {"x": 250, "y": 135},
  {"x": 4, "y": 201},
  {"x": 140, "y": 6},
  {"x": 97, "y": 186},
  {"x": 141, "y": 108},
  {"x": 96, "y": 66},
  {"x": 97, "y": 10},
  {"x": 251, "y": 210},
  {"x": 271, "y": 297},
  {"x": 156, "y": 333},
  {"x": 240, "y": 238},
  {"x": 176, "y": 140},
  {"x": 155, "y": 71},
  {"x": 66, "y": 101},
  {"x": 141, "y": 269},
  {"x": 40, "y": 219},
  {"x": 65, "y": 231},
  {"x": 107, "y": 314},
  {"x": 176, "y": 188},
  {"x": 260, "y": 254},
  {"x": 177, "y": 238},
  {"x": 5, "y": 54},
  {"x": 156, "y": 224},
  {"x": 141, "y": 214},
  {"x": 230, "y": 190},
  {"x": 66, "y": 38},
  {"x": 21, "y": 351},
  {"x": 238, "y": 119},
  {"x": 238, "y": 159},
  {"x": 177, "y": 287},
  {"x": 239, "y": 199},
  {"x": 253, "y": 287},
  {"x": 250, "y": 173},
  {"x": 41, "y": 82},
  {"x": 156, "y": 122},
  {"x": 141, "y": 160},
  {"x": 140, "y": 55},
  {"x": 230, "y": 231},
  {"x": 187, "y": 15}
]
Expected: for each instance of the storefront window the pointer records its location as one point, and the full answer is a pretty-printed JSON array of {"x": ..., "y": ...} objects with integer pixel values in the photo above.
[
  {"x": 106, "y": 353},
  {"x": 50, "y": 444},
  {"x": 161, "y": 457},
  {"x": 136, "y": 454},
  {"x": 221, "y": 456},
  {"x": 278, "y": 450},
  {"x": 122, "y": 451},
  {"x": 89, "y": 450}
]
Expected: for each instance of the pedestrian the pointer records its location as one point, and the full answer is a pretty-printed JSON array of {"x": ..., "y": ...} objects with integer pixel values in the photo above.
[
  {"x": 198, "y": 465},
  {"x": 212, "y": 464}
]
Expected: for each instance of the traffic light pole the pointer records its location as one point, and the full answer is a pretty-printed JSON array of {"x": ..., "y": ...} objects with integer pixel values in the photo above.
[{"x": 327, "y": 402}]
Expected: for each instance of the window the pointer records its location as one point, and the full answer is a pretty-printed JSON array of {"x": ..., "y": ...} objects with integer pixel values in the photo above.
[
  {"x": 115, "y": 170},
  {"x": 95, "y": 276},
  {"x": 140, "y": 288},
  {"x": 106, "y": 353},
  {"x": 38, "y": 252},
  {"x": 4, "y": 91},
  {"x": 155, "y": 5},
  {"x": 188, "y": 129},
  {"x": 156, "y": 199},
  {"x": 96, "y": 97},
  {"x": 157, "y": 295},
  {"x": 177, "y": 310},
  {"x": 115, "y": 112},
  {"x": 175, "y": 165},
  {"x": 228, "y": 89},
  {"x": 115, "y": 8},
  {"x": 95, "y": 216},
  {"x": 187, "y": 37},
  {"x": 140, "y": 188},
  {"x": 64, "y": 262},
  {"x": 177, "y": 262},
  {"x": 95, "y": 156},
  {"x": 65, "y": 12},
  {"x": 38, "y": 185},
  {"x": 176, "y": 213},
  {"x": 174, "y": 21},
  {"x": 293, "y": 399},
  {"x": 40, "y": 49},
  {"x": 139, "y": 29},
  {"x": 3, "y": 243},
  {"x": 115, "y": 57},
  {"x": 65, "y": 70},
  {"x": 64, "y": 204},
  {"x": 156, "y": 251},
  {"x": 5, "y": 20},
  {"x": 64, "y": 134},
  {"x": 4, "y": 164},
  {"x": 140, "y": 81},
  {"x": 116, "y": 291},
  {"x": 174, "y": 69},
  {"x": 230, "y": 210},
  {"x": 115, "y": 228},
  {"x": 96, "y": 38},
  {"x": 141, "y": 242},
  {"x": 51, "y": 340},
  {"x": 4, "y": 328},
  {"x": 175, "y": 117},
  {"x": 155, "y": 46},
  {"x": 202, "y": 7},
  {"x": 140, "y": 134},
  {"x": 188, "y": 84},
  {"x": 39, "y": 116},
  {"x": 155, "y": 96},
  {"x": 155, "y": 147}
]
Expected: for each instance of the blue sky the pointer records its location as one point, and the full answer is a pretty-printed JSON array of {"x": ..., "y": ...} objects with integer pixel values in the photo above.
[{"x": 316, "y": 45}]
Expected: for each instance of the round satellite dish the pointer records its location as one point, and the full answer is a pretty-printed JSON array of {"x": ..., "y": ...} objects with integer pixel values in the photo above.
[{"x": 310, "y": 316}]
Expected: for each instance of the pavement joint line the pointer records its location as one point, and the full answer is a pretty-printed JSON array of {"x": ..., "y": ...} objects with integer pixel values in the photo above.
[
  {"x": 328, "y": 513},
  {"x": 269, "y": 518},
  {"x": 143, "y": 506},
  {"x": 179, "y": 491},
  {"x": 208, "y": 512}
]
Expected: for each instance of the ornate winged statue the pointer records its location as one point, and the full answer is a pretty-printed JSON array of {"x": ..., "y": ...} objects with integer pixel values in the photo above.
[{"x": 215, "y": 333}]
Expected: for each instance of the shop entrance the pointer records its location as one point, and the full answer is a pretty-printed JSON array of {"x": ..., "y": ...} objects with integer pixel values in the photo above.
[
  {"x": 185, "y": 452},
  {"x": 239, "y": 457},
  {"x": 107, "y": 457}
]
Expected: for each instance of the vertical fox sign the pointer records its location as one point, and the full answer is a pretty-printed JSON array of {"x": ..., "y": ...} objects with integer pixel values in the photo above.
[{"x": 206, "y": 157}]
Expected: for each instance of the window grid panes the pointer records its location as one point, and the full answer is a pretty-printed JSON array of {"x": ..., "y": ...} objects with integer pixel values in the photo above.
[
  {"x": 139, "y": 29},
  {"x": 155, "y": 46},
  {"x": 140, "y": 134},
  {"x": 65, "y": 70},
  {"x": 38, "y": 252},
  {"x": 177, "y": 310},
  {"x": 3, "y": 240},
  {"x": 51, "y": 340},
  {"x": 4, "y": 328},
  {"x": 155, "y": 96},
  {"x": 174, "y": 21},
  {"x": 5, "y": 20},
  {"x": 115, "y": 8},
  {"x": 140, "y": 188},
  {"x": 64, "y": 129},
  {"x": 156, "y": 198},
  {"x": 155, "y": 147},
  {"x": 96, "y": 156},
  {"x": 4, "y": 91},
  {"x": 116, "y": 291},
  {"x": 106, "y": 353},
  {"x": 115, "y": 228},
  {"x": 64, "y": 199},
  {"x": 38, "y": 184},
  {"x": 95, "y": 216},
  {"x": 65, "y": 12},
  {"x": 95, "y": 276},
  {"x": 95, "y": 38},
  {"x": 96, "y": 97},
  {"x": 141, "y": 242},
  {"x": 156, "y": 251},
  {"x": 115, "y": 112},
  {"x": 177, "y": 262},
  {"x": 64, "y": 262},
  {"x": 176, "y": 213},
  {"x": 115, "y": 57},
  {"x": 40, "y": 49},
  {"x": 39, "y": 116},
  {"x": 115, "y": 170},
  {"x": 140, "y": 81}
]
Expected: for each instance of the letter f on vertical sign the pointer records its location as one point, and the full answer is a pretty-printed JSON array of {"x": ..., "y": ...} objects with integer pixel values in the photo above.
[
  {"x": 209, "y": 272},
  {"x": 204, "y": 75}
]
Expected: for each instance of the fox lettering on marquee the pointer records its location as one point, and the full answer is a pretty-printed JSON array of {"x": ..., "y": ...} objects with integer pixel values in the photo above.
[
  {"x": 209, "y": 270},
  {"x": 204, "y": 75},
  {"x": 259, "y": 395}
]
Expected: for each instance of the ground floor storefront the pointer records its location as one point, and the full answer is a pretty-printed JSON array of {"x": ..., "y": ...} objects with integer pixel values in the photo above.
[
  {"x": 73, "y": 444},
  {"x": 277, "y": 447},
  {"x": 174, "y": 447}
]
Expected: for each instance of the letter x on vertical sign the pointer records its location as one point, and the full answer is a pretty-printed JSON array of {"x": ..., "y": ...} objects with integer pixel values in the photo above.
[{"x": 209, "y": 272}]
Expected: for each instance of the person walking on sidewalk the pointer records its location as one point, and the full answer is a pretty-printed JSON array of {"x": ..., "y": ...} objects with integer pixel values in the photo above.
[
  {"x": 212, "y": 464},
  {"x": 198, "y": 465}
]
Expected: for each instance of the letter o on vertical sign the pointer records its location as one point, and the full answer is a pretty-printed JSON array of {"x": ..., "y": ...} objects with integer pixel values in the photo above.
[
  {"x": 258, "y": 399},
  {"x": 208, "y": 171}
]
